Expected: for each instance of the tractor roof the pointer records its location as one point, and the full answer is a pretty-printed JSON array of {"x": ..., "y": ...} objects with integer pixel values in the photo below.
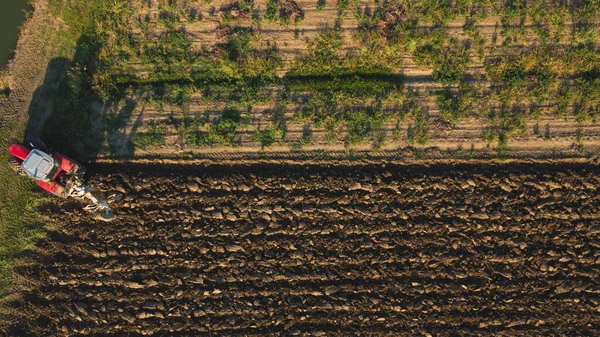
[{"x": 37, "y": 164}]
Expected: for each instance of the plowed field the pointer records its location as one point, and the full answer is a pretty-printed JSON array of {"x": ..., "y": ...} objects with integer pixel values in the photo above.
[{"x": 256, "y": 250}]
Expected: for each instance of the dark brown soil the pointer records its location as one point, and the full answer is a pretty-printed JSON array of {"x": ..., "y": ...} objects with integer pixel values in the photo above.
[{"x": 257, "y": 250}]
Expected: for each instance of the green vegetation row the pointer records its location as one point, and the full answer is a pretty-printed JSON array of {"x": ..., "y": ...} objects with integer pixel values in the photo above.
[
  {"x": 358, "y": 92},
  {"x": 234, "y": 72}
]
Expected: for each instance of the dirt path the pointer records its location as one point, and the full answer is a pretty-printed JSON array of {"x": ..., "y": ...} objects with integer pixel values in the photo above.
[
  {"x": 263, "y": 249},
  {"x": 26, "y": 72}
]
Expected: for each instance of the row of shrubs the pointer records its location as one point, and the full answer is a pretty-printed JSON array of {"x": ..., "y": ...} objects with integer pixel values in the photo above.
[{"x": 338, "y": 90}]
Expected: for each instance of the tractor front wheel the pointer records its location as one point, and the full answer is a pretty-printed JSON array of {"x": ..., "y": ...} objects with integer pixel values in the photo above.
[{"x": 14, "y": 164}]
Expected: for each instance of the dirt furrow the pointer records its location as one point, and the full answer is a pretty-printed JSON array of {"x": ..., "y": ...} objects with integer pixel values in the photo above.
[{"x": 447, "y": 249}]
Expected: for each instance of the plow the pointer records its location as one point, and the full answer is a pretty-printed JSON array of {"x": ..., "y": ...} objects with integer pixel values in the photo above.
[{"x": 60, "y": 176}]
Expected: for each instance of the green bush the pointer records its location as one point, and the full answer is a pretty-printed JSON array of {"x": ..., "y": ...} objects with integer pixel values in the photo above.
[
  {"x": 237, "y": 45},
  {"x": 247, "y": 6},
  {"x": 322, "y": 58},
  {"x": 320, "y": 5},
  {"x": 221, "y": 131},
  {"x": 363, "y": 124},
  {"x": 563, "y": 100},
  {"x": 268, "y": 136},
  {"x": 449, "y": 59},
  {"x": 530, "y": 76},
  {"x": 586, "y": 35},
  {"x": 587, "y": 97},
  {"x": 155, "y": 137},
  {"x": 324, "y": 69},
  {"x": 420, "y": 131},
  {"x": 437, "y": 11},
  {"x": 447, "y": 74},
  {"x": 271, "y": 12}
]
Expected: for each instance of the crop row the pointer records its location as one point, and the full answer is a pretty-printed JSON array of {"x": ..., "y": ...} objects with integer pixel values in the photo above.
[{"x": 529, "y": 66}]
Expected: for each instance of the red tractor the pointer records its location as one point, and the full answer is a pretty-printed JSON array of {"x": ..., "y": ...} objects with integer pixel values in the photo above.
[{"x": 58, "y": 175}]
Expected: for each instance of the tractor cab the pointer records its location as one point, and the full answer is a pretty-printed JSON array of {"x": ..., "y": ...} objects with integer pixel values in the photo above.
[{"x": 40, "y": 166}]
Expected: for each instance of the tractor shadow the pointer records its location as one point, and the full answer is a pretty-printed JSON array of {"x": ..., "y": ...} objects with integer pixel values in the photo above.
[{"x": 67, "y": 114}]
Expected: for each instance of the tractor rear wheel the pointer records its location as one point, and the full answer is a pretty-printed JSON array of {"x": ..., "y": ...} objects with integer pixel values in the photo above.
[{"x": 15, "y": 165}]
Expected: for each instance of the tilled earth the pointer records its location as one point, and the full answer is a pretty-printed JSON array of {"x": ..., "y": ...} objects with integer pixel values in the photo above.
[{"x": 254, "y": 250}]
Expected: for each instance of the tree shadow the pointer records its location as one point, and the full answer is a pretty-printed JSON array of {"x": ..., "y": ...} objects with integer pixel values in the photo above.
[
  {"x": 67, "y": 113},
  {"x": 120, "y": 140}
]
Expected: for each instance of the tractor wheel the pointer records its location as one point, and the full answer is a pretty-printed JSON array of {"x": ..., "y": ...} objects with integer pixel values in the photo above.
[
  {"x": 39, "y": 144},
  {"x": 16, "y": 166}
]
